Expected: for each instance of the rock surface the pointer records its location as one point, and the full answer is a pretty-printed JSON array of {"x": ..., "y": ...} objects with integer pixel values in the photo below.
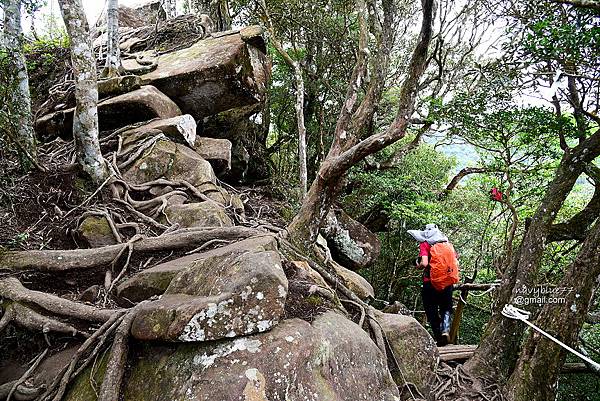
[
  {"x": 199, "y": 214},
  {"x": 171, "y": 161},
  {"x": 351, "y": 243},
  {"x": 95, "y": 232},
  {"x": 216, "y": 151},
  {"x": 413, "y": 348},
  {"x": 139, "y": 105},
  {"x": 330, "y": 359},
  {"x": 229, "y": 295},
  {"x": 118, "y": 85},
  {"x": 181, "y": 129},
  {"x": 155, "y": 280},
  {"x": 354, "y": 281},
  {"x": 213, "y": 75},
  {"x": 243, "y": 127}
]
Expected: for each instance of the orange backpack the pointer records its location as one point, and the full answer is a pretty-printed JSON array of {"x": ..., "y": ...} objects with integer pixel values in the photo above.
[{"x": 444, "y": 265}]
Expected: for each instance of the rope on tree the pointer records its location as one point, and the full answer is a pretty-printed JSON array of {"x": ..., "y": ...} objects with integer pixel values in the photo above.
[{"x": 512, "y": 312}]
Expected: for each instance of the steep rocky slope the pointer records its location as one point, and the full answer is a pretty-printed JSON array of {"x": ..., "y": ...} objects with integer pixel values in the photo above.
[{"x": 231, "y": 310}]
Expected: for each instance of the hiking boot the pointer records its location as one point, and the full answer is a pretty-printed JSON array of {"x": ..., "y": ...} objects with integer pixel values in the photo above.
[{"x": 446, "y": 323}]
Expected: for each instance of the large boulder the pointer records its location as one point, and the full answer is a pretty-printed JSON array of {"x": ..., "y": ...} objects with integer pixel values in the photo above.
[
  {"x": 331, "y": 359},
  {"x": 216, "y": 151},
  {"x": 351, "y": 243},
  {"x": 199, "y": 214},
  {"x": 95, "y": 232},
  {"x": 155, "y": 280},
  {"x": 354, "y": 281},
  {"x": 118, "y": 85},
  {"x": 214, "y": 74},
  {"x": 141, "y": 15},
  {"x": 222, "y": 296},
  {"x": 243, "y": 126},
  {"x": 139, "y": 105},
  {"x": 172, "y": 161},
  {"x": 181, "y": 129},
  {"x": 413, "y": 348}
]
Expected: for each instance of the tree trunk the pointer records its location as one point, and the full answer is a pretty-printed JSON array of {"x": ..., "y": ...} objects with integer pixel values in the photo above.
[
  {"x": 112, "y": 67},
  {"x": 561, "y": 320},
  {"x": 170, "y": 7},
  {"x": 499, "y": 347},
  {"x": 85, "y": 120},
  {"x": 20, "y": 99},
  {"x": 301, "y": 130},
  {"x": 217, "y": 10},
  {"x": 346, "y": 150},
  {"x": 297, "y": 70}
]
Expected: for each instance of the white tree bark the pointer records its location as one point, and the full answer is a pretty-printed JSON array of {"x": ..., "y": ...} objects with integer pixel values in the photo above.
[
  {"x": 85, "y": 120},
  {"x": 170, "y": 7},
  {"x": 217, "y": 10},
  {"x": 301, "y": 129},
  {"x": 20, "y": 99},
  {"x": 112, "y": 67},
  {"x": 297, "y": 69}
]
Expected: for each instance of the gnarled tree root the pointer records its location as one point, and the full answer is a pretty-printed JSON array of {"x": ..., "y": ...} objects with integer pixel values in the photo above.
[
  {"x": 30, "y": 319},
  {"x": 65, "y": 260},
  {"x": 115, "y": 368},
  {"x": 366, "y": 309},
  {"x": 12, "y": 289},
  {"x": 21, "y": 392},
  {"x": 57, "y": 388}
]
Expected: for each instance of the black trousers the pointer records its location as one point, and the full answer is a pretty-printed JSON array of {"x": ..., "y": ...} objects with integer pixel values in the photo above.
[{"x": 436, "y": 303}]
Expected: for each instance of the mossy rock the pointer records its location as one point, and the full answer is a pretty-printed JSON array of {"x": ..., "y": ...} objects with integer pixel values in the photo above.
[{"x": 95, "y": 231}]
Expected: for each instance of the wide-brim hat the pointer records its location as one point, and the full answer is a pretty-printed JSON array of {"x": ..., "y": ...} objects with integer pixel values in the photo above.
[{"x": 431, "y": 234}]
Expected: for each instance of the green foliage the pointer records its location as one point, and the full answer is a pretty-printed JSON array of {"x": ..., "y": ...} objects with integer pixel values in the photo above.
[
  {"x": 569, "y": 36},
  {"x": 18, "y": 240},
  {"x": 407, "y": 197},
  {"x": 43, "y": 53}
]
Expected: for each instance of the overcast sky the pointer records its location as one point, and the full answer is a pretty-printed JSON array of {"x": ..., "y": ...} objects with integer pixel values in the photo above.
[{"x": 93, "y": 9}]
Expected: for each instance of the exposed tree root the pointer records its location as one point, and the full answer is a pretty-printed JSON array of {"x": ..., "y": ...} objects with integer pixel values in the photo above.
[
  {"x": 111, "y": 223},
  {"x": 57, "y": 388},
  {"x": 455, "y": 384},
  {"x": 12, "y": 289},
  {"x": 65, "y": 260},
  {"x": 115, "y": 368},
  {"x": 14, "y": 391},
  {"x": 344, "y": 291},
  {"x": 30, "y": 319},
  {"x": 21, "y": 392}
]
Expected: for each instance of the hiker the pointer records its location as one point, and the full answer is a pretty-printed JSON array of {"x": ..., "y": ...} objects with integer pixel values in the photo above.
[{"x": 439, "y": 262}]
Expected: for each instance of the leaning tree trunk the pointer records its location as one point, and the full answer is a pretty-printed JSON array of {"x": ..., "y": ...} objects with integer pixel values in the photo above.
[
  {"x": 20, "y": 101},
  {"x": 346, "y": 149},
  {"x": 497, "y": 354},
  {"x": 217, "y": 10},
  {"x": 536, "y": 374},
  {"x": 112, "y": 68},
  {"x": 85, "y": 120}
]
